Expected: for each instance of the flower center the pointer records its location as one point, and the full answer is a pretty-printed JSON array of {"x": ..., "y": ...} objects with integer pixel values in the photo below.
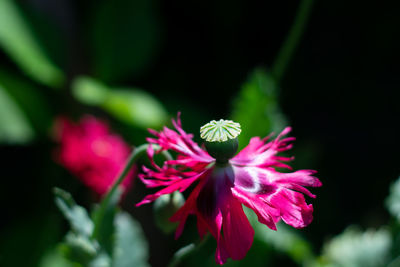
[{"x": 220, "y": 139}]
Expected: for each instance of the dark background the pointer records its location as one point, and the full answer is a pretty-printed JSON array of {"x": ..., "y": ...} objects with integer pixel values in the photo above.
[{"x": 340, "y": 94}]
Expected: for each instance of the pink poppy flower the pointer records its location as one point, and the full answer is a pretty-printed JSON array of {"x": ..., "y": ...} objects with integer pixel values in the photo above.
[
  {"x": 92, "y": 153},
  {"x": 249, "y": 178}
]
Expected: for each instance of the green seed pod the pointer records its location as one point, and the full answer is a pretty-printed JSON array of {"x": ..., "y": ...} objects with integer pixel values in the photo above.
[
  {"x": 164, "y": 207},
  {"x": 220, "y": 139}
]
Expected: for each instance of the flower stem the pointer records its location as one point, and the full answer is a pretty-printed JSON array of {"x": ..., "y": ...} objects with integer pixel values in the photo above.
[
  {"x": 136, "y": 153},
  {"x": 292, "y": 39}
]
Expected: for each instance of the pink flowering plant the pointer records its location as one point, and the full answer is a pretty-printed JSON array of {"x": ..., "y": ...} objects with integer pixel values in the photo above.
[{"x": 223, "y": 181}]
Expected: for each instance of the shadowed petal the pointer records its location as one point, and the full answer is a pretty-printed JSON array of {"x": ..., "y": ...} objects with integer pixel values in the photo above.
[
  {"x": 188, "y": 208},
  {"x": 238, "y": 233}
]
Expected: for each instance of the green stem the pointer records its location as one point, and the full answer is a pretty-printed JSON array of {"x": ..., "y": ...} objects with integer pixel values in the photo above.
[
  {"x": 136, "y": 153},
  {"x": 292, "y": 40}
]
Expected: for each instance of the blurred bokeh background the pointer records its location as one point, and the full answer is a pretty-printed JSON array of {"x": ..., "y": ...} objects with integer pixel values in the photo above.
[{"x": 137, "y": 63}]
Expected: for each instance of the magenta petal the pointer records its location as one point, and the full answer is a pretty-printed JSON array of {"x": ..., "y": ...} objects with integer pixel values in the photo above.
[
  {"x": 293, "y": 207},
  {"x": 214, "y": 226},
  {"x": 302, "y": 177},
  {"x": 180, "y": 185},
  {"x": 238, "y": 233},
  {"x": 201, "y": 227},
  {"x": 266, "y": 214},
  {"x": 260, "y": 153},
  {"x": 180, "y": 142},
  {"x": 272, "y": 195},
  {"x": 221, "y": 255},
  {"x": 188, "y": 208}
]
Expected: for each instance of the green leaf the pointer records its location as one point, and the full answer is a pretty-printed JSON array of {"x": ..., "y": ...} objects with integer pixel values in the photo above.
[
  {"x": 19, "y": 42},
  {"x": 90, "y": 91},
  {"x": 104, "y": 223},
  {"x": 54, "y": 258},
  {"x": 79, "y": 248},
  {"x": 103, "y": 260},
  {"x": 78, "y": 245},
  {"x": 77, "y": 216},
  {"x": 14, "y": 126},
  {"x": 356, "y": 248},
  {"x": 131, "y": 248},
  {"x": 256, "y": 107},
  {"x": 393, "y": 200},
  {"x": 132, "y": 106},
  {"x": 126, "y": 38},
  {"x": 30, "y": 100},
  {"x": 136, "y": 107}
]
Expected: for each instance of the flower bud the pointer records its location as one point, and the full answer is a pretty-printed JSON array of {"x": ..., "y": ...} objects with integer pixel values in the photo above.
[
  {"x": 164, "y": 207},
  {"x": 220, "y": 139}
]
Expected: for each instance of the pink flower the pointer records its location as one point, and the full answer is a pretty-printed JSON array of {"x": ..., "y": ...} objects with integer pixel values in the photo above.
[
  {"x": 89, "y": 151},
  {"x": 248, "y": 178}
]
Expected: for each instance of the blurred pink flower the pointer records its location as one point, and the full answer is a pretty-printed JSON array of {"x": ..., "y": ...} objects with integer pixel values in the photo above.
[
  {"x": 92, "y": 153},
  {"x": 249, "y": 178}
]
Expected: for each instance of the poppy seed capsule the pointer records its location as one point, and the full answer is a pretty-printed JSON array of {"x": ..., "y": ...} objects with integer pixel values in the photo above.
[{"x": 220, "y": 139}]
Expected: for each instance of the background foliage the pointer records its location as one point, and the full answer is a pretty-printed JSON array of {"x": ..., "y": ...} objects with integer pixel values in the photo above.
[{"x": 137, "y": 63}]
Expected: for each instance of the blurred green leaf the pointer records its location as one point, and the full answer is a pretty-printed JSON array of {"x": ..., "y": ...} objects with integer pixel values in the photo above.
[
  {"x": 136, "y": 107},
  {"x": 14, "y": 126},
  {"x": 126, "y": 38},
  {"x": 18, "y": 41},
  {"x": 103, "y": 260},
  {"x": 90, "y": 91},
  {"x": 132, "y": 106},
  {"x": 79, "y": 248},
  {"x": 393, "y": 200},
  {"x": 77, "y": 216},
  {"x": 131, "y": 248},
  {"x": 54, "y": 258},
  {"x": 105, "y": 229},
  {"x": 354, "y": 248},
  {"x": 30, "y": 100},
  {"x": 256, "y": 108}
]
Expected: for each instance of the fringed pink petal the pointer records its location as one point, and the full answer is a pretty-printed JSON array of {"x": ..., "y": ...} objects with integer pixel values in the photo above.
[
  {"x": 293, "y": 207},
  {"x": 180, "y": 185},
  {"x": 262, "y": 154},
  {"x": 180, "y": 142},
  {"x": 274, "y": 195},
  {"x": 266, "y": 214}
]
